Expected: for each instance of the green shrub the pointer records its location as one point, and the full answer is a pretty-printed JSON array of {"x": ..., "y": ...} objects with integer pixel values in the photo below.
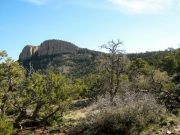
[{"x": 6, "y": 127}]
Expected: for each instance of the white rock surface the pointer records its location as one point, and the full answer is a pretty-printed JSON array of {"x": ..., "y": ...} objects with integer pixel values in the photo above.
[{"x": 168, "y": 132}]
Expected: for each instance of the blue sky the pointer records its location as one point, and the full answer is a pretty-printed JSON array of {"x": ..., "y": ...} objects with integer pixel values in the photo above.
[{"x": 143, "y": 25}]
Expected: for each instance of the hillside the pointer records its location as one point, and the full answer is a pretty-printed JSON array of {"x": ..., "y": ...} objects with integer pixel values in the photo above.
[
  {"x": 61, "y": 55},
  {"x": 68, "y": 58},
  {"x": 112, "y": 95}
]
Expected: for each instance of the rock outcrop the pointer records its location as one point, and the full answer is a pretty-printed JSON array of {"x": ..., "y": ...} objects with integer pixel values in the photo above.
[
  {"x": 28, "y": 52},
  {"x": 54, "y": 47},
  {"x": 48, "y": 48},
  {"x": 60, "y": 55}
]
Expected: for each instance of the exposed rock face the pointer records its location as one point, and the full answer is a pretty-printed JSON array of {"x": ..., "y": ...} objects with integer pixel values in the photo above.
[
  {"x": 61, "y": 55},
  {"x": 28, "y": 52},
  {"x": 54, "y": 47},
  {"x": 48, "y": 48}
]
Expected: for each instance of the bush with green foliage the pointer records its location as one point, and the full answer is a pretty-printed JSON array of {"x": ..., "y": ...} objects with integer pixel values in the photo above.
[
  {"x": 6, "y": 127},
  {"x": 45, "y": 96},
  {"x": 33, "y": 98}
]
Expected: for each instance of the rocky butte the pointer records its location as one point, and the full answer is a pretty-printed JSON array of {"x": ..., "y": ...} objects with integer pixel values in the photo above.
[
  {"x": 59, "y": 54},
  {"x": 48, "y": 48}
]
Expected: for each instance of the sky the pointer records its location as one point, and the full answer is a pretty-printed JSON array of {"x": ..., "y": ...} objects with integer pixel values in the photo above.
[{"x": 142, "y": 25}]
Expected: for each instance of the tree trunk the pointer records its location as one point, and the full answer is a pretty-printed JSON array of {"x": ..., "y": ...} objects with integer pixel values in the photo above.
[
  {"x": 21, "y": 116},
  {"x": 4, "y": 99},
  {"x": 36, "y": 111},
  {"x": 45, "y": 119}
]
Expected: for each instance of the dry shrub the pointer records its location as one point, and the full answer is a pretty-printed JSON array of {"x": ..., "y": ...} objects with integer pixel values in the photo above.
[{"x": 126, "y": 116}]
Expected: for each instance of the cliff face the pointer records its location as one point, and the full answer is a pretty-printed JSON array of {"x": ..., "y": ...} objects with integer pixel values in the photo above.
[
  {"x": 48, "y": 48},
  {"x": 61, "y": 55},
  {"x": 54, "y": 47},
  {"x": 28, "y": 52}
]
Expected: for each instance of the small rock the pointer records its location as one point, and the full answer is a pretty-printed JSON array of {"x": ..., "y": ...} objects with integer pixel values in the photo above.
[{"x": 169, "y": 132}]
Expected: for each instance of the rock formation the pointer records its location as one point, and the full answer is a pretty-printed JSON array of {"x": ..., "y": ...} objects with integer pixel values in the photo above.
[
  {"x": 28, "y": 52},
  {"x": 54, "y": 47},
  {"x": 61, "y": 55},
  {"x": 48, "y": 48}
]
